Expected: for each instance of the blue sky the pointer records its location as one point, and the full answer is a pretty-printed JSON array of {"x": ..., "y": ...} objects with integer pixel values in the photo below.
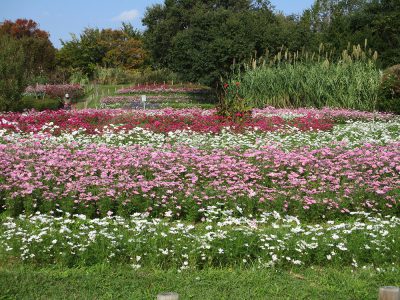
[{"x": 62, "y": 17}]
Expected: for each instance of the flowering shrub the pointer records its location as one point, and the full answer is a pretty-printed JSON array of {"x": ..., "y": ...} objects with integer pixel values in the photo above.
[{"x": 56, "y": 90}]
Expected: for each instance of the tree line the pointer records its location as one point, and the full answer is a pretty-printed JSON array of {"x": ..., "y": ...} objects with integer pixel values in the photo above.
[{"x": 200, "y": 40}]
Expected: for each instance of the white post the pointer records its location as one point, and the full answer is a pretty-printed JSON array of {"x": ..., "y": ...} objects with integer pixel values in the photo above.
[
  {"x": 144, "y": 101},
  {"x": 168, "y": 296},
  {"x": 389, "y": 293}
]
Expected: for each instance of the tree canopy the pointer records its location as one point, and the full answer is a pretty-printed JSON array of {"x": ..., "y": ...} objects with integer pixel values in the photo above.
[
  {"x": 107, "y": 47},
  {"x": 37, "y": 48},
  {"x": 202, "y": 38},
  {"x": 12, "y": 72}
]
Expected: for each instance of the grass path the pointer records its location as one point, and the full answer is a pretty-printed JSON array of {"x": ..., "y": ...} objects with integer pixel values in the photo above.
[
  {"x": 95, "y": 92},
  {"x": 122, "y": 282}
]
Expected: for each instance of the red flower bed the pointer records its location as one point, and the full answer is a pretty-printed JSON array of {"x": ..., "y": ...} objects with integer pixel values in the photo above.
[{"x": 162, "y": 121}]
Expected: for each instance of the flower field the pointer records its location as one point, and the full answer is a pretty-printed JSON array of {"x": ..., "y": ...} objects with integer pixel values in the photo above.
[
  {"x": 55, "y": 90},
  {"x": 188, "y": 189}
]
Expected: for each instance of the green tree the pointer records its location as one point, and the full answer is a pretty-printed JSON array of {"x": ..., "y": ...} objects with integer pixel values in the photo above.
[
  {"x": 107, "y": 47},
  {"x": 379, "y": 21},
  {"x": 82, "y": 53},
  {"x": 38, "y": 49},
  {"x": 128, "y": 54},
  {"x": 200, "y": 39},
  {"x": 336, "y": 23},
  {"x": 12, "y": 73},
  {"x": 130, "y": 31}
]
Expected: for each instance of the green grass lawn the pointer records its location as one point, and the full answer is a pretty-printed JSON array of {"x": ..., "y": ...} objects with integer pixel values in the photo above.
[{"x": 123, "y": 282}]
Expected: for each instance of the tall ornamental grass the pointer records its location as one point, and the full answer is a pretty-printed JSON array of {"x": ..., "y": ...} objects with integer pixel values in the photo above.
[{"x": 303, "y": 80}]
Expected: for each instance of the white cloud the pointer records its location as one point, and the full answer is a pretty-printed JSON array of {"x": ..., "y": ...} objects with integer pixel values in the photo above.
[{"x": 127, "y": 15}]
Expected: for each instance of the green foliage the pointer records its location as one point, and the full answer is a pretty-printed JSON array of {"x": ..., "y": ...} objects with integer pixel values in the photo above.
[
  {"x": 233, "y": 103},
  {"x": 390, "y": 90},
  {"x": 116, "y": 76},
  {"x": 79, "y": 77},
  {"x": 40, "y": 56},
  {"x": 158, "y": 76},
  {"x": 112, "y": 75},
  {"x": 30, "y": 102},
  {"x": 127, "y": 54},
  {"x": 12, "y": 73},
  {"x": 81, "y": 53},
  {"x": 200, "y": 39},
  {"x": 60, "y": 75},
  {"x": 311, "y": 80},
  {"x": 39, "y": 79},
  {"x": 338, "y": 22},
  {"x": 37, "y": 47},
  {"x": 380, "y": 22},
  {"x": 110, "y": 48}
]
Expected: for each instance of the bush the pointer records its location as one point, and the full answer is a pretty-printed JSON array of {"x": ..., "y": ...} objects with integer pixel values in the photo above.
[
  {"x": 30, "y": 102},
  {"x": 60, "y": 75},
  {"x": 232, "y": 103},
  {"x": 390, "y": 90},
  {"x": 12, "y": 73},
  {"x": 78, "y": 77},
  {"x": 39, "y": 79},
  {"x": 123, "y": 76},
  {"x": 112, "y": 75},
  {"x": 157, "y": 76}
]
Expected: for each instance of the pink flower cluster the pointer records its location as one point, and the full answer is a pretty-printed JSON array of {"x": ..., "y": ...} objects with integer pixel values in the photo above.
[
  {"x": 102, "y": 178},
  {"x": 334, "y": 113},
  {"x": 165, "y": 120},
  {"x": 56, "y": 90},
  {"x": 162, "y": 88}
]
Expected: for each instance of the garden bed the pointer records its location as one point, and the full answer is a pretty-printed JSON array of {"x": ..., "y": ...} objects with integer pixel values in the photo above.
[{"x": 187, "y": 189}]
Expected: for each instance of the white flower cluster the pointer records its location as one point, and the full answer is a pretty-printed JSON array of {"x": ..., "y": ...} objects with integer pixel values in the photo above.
[
  {"x": 352, "y": 134},
  {"x": 223, "y": 239}
]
